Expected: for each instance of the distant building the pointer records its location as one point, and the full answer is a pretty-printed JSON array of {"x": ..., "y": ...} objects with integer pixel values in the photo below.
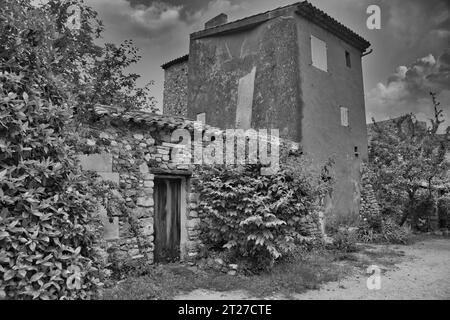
[
  {"x": 176, "y": 86},
  {"x": 295, "y": 69}
]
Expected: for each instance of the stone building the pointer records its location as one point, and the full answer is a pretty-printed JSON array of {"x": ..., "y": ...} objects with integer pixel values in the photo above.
[
  {"x": 157, "y": 220},
  {"x": 133, "y": 150},
  {"x": 294, "y": 69},
  {"x": 175, "y": 87}
]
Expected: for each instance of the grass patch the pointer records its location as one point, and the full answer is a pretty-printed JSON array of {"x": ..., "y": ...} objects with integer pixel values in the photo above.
[{"x": 287, "y": 278}]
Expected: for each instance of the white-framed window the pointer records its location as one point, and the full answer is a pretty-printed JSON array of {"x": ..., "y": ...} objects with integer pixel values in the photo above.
[
  {"x": 344, "y": 117},
  {"x": 319, "y": 54}
]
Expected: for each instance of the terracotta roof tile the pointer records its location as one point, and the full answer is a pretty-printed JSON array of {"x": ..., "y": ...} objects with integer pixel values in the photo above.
[{"x": 175, "y": 61}]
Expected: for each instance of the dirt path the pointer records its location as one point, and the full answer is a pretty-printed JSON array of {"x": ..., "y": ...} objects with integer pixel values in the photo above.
[{"x": 422, "y": 273}]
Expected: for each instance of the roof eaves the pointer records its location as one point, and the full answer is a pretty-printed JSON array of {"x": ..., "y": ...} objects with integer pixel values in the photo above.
[
  {"x": 241, "y": 24},
  {"x": 310, "y": 12},
  {"x": 138, "y": 116},
  {"x": 175, "y": 61}
]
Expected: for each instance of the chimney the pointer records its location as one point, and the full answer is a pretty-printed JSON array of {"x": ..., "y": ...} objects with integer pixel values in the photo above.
[{"x": 216, "y": 21}]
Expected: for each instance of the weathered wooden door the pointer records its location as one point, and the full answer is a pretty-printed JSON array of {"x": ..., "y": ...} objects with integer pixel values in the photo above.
[{"x": 167, "y": 219}]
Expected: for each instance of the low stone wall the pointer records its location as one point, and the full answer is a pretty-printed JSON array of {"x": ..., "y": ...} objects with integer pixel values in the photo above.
[{"x": 369, "y": 203}]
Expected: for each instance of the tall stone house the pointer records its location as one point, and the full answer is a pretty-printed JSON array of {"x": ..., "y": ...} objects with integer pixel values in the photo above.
[{"x": 295, "y": 69}]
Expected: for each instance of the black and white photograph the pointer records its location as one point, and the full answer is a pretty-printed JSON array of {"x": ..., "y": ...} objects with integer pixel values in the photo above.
[{"x": 224, "y": 155}]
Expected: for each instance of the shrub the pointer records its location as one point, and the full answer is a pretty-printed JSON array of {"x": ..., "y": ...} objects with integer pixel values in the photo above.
[
  {"x": 47, "y": 231},
  {"x": 367, "y": 234},
  {"x": 344, "y": 240},
  {"x": 405, "y": 154},
  {"x": 444, "y": 211},
  {"x": 389, "y": 232},
  {"x": 254, "y": 217},
  {"x": 46, "y": 228}
]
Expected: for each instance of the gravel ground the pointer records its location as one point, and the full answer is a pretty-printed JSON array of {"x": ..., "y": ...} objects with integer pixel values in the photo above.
[{"x": 423, "y": 272}]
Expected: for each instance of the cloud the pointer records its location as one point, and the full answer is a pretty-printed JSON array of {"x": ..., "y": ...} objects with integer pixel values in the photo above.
[
  {"x": 159, "y": 28},
  {"x": 140, "y": 21},
  {"x": 418, "y": 22},
  {"x": 198, "y": 17},
  {"x": 156, "y": 18},
  {"x": 408, "y": 88}
]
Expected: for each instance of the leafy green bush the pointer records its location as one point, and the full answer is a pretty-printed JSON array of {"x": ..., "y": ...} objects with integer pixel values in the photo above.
[
  {"x": 367, "y": 234},
  {"x": 47, "y": 231},
  {"x": 444, "y": 211},
  {"x": 406, "y": 155},
  {"x": 344, "y": 240},
  {"x": 255, "y": 217},
  {"x": 393, "y": 233},
  {"x": 389, "y": 232}
]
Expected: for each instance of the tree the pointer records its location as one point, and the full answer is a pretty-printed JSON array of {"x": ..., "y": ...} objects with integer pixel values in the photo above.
[
  {"x": 50, "y": 77},
  {"x": 406, "y": 159}
]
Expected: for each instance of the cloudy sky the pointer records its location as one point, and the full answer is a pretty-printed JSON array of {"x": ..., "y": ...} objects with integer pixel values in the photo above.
[{"x": 411, "y": 51}]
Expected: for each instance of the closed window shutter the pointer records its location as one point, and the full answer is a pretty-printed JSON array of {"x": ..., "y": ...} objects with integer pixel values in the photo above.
[
  {"x": 319, "y": 54},
  {"x": 344, "y": 117}
]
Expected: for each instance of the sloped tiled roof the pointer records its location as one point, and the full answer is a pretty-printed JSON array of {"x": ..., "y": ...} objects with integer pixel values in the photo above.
[
  {"x": 319, "y": 17},
  {"x": 137, "y": 116},
  {"x": 175, "y": 61},
  {"x": 162, "y": 121},
  {"x": 306, "y": 10}
]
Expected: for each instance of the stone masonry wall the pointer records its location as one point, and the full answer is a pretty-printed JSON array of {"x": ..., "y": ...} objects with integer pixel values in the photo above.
[
  {"x": 175, "y": 90},
  {"x": 129, "y": 155},
  {"x": 369, "y": 203}
]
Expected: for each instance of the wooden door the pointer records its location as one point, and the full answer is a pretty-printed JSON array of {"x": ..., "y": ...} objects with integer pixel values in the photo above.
[{"x": 167, "y": 219}]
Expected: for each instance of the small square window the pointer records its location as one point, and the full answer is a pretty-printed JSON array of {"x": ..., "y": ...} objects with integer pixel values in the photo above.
[
  {"x": 344, "y": 117},
  {"x": 319, "y": 54},
  {"x": 348, "y": 60}
]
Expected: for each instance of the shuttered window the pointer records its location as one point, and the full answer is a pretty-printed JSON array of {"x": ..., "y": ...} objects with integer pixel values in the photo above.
[
  {"x": 319, "y": 54},
  {"x": 344, "y": 117}
]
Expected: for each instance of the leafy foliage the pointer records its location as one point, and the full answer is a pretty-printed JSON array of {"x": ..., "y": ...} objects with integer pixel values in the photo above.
[
  {"x": 386, "y": 231},
  {"x": 444, "y": 210},
  {"x": 405, "y": 160},
  {"x": 256, "y": 217},
  {"x": 51, "y": 76},
  {"x": 345, "y": 241},
  {"x": 46, "y": 230}
]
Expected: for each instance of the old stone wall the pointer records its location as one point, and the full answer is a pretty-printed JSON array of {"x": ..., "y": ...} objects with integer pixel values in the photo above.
[
  {"x": 175, "y": 89},
  {"x": 369, "y": 203},
  {"x": 131, "y": 150},
  {"x": 132, "y": 156}
]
